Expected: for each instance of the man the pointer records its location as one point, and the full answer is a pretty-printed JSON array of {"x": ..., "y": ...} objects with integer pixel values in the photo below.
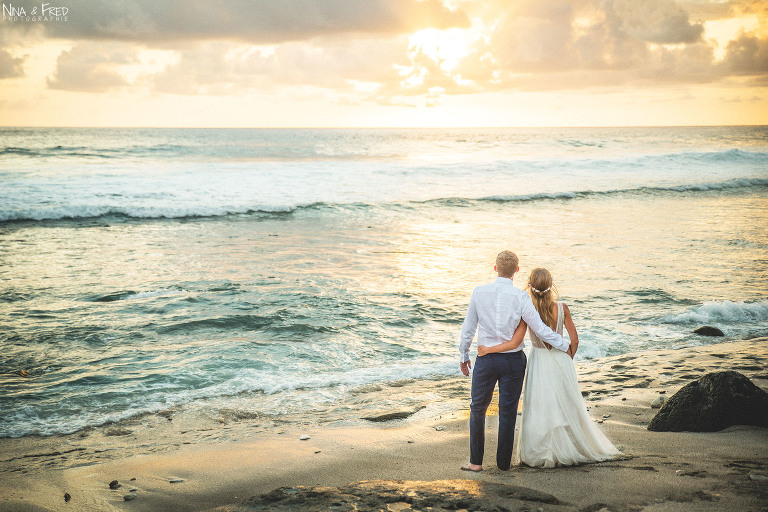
[{"x": 496, "y": 309}]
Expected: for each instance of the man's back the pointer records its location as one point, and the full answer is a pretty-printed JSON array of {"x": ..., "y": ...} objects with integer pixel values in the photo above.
[{"x": 495, "y": 309}]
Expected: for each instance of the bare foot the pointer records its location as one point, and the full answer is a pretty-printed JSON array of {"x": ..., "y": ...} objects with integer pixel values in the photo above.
[{"x": 472, "y": 467}]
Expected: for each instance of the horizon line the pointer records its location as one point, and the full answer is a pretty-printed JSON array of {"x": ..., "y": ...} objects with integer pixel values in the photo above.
[{"x": 385, "y": 127}]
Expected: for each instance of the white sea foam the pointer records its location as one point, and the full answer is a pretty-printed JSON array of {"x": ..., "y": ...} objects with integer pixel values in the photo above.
[
  {"x": 316, "y": 388},
  {"x": 722, "y": 312},
  {"x": 155, "y": 293},
  {"x": 282, "y": 171},
  {"x": 209, "y": 201},
  {"x": 138, "y": 212}
]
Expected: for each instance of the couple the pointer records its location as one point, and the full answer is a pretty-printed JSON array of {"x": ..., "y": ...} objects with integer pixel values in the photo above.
[{"x": 556, "y": 429}]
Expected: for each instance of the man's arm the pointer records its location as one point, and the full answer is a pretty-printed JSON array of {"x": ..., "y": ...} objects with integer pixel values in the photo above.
[
  {"x": 468, "y": 329},
  {"x": 540, "y": 329}
]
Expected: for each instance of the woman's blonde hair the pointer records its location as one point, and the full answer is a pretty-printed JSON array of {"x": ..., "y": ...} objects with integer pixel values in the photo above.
[{"x": 543, "y": 294}]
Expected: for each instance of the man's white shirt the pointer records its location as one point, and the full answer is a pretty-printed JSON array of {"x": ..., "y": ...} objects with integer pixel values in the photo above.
[{"x": 495, "y": 311}]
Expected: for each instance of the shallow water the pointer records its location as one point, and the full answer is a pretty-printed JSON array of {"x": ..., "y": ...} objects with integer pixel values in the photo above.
[{"x": 273, "y": 272}]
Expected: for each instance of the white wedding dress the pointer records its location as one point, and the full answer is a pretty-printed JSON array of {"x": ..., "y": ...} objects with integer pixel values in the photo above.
[{"x": 556, "y": 428}]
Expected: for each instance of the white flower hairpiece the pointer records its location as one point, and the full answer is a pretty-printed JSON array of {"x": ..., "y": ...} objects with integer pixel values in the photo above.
[{"x": 541, "y": 292}]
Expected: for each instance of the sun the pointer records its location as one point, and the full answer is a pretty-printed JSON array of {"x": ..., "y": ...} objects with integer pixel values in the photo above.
[{"x": 446, "y": 47}]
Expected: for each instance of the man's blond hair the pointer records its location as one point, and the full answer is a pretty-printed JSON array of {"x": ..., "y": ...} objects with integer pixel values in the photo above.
[{"x": 506, "y": 263}]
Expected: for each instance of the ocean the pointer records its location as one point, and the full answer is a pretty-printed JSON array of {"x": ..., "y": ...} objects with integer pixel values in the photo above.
[{"x": 277, "y": 273}]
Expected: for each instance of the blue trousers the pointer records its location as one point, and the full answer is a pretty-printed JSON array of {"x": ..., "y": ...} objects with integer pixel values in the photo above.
[{"x": 508, "y": 370}]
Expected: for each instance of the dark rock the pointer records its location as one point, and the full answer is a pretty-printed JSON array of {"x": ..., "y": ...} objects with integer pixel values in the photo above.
[
  {"x": 711, "y": 403},
  {"x": 114, "y": 484},
  {"x": 708, "y": 330},
  {"x": 129, "y": 497},
  {"x": 67, "y": 497},
  {"x": 698, "y": 474},
  {"x": 118, "y": 432},
  {"x": 400, "y": 415},
  {"x": 700, "y": 495},
  {"x": 743, "y": 465},
  {"x": 471, "y": 495}
]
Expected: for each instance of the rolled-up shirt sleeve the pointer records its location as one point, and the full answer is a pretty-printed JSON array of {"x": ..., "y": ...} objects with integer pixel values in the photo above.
[
  {"x": 540, "y": 329},
  {"x": 468, "y": 329}
]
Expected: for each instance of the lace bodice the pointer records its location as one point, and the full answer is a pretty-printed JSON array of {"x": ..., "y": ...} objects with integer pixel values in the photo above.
[{"x": 535, "y": 341}]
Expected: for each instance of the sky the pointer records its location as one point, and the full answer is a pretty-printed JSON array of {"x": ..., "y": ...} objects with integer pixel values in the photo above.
[{"x": 383, "y": 63}]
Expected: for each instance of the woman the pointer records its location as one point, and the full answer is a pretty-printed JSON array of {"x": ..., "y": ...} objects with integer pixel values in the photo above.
[{"x": 556, "y": 428}]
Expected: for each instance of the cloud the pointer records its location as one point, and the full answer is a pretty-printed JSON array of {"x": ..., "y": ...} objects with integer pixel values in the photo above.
[
  {"x": 555, "y": 45},
  {"x": 257, "y": 21},
  {"x": 536, "y": 36},
  {"x": 10, "y": 67},
  {"x": 557, "y": 35},
  {"x": 533, "y": 45},
  {"x": 355, "y": 51},
  {"x": 228, "y": 68},
  {"x": 745, "y": 7},
  {"x": 91, "y": 67},
  {"x": 655, "y": 21},
  {"x": 747, "y": 55}
]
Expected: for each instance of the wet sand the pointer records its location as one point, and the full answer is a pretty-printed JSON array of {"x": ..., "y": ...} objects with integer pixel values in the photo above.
[{"x": 662, "y": 471}]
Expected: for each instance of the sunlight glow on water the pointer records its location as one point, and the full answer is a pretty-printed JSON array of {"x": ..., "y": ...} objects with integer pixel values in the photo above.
[{"x": 291, "y": 308}]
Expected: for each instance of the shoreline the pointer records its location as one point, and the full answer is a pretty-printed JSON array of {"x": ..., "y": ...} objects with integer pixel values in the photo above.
[{"x": 228, "y": 464}]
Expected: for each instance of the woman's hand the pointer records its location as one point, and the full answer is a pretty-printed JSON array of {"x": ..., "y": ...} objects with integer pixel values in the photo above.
[{"x": 482, "y": 350}]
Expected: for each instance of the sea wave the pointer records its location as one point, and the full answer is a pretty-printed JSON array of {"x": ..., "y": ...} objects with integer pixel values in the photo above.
[
  {"x": 729, "y": 185},
  {"x": 727, "y": 311},
  {"x": 139, "y": 212},
  {"x": 197, "y": 210},
  {"x": 299, "y": 144},
  {"x": 281, "y": 390},
  {"x": 155, "y": 293},
  {"x": 131, "y": 295}
]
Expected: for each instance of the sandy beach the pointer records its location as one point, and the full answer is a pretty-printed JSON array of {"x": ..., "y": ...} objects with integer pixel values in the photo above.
[{"x": 662, "y": 471}]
